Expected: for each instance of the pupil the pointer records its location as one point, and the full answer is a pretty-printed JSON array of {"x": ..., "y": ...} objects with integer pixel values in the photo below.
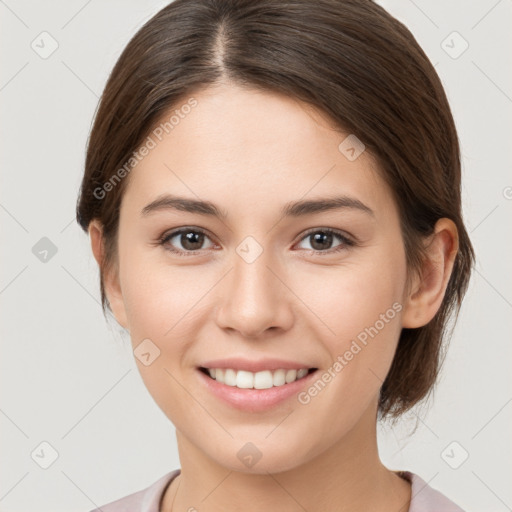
[
  {"x": 191, "y": 239},
  {"x": 326, "y": 238}
]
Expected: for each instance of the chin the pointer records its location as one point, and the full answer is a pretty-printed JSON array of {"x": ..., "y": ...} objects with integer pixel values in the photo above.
[{"x": 260, "y": 457}]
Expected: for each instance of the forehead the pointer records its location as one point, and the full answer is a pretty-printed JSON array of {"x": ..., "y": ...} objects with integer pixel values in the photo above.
[{"x": 245, "y": 147}]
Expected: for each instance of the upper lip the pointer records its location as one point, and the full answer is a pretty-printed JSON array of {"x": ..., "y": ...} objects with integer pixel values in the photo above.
[{"x": 252, "y": 365}]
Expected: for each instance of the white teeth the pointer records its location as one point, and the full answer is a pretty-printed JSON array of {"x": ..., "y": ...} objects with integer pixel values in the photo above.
[
  {"x": 244, "y": 379},
  {"x": 301, "y": 373},
  {"x": 291, "y": 375},
  {"x": 229, "y": 377},
  {"x": 263, "y": 380},
  {"x": 259, "y": 380},
  {"x": 278, "y": 379}
]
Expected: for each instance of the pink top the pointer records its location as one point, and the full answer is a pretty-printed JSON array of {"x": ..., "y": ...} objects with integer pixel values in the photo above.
[{"x": 423, "y": 497}]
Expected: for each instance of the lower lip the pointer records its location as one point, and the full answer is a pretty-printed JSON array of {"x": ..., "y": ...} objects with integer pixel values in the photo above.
[{"x": 255, "y": 400}]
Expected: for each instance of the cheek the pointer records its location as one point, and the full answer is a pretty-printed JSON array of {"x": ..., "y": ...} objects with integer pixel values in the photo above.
[
  {"x": 360, "y": 311},
  {"x": 162, "y": 304},
  {"x": 351, "y": 297},
  {"x": 161, "y": 300},
  {"x": 367, "y": 328}
]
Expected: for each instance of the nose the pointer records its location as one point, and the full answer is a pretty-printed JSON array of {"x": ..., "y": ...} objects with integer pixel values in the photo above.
[{"x": 255, "y": 298}]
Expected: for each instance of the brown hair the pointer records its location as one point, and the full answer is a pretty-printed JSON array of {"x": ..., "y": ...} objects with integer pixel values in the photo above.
[{"x": 348, "y": 58}]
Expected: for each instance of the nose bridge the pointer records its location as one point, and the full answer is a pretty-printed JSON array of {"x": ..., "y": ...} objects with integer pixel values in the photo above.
[{"x": 253, "y": 298}]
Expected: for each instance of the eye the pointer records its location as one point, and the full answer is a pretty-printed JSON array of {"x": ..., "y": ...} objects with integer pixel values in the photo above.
[
  {"x": 188, "y": 241},
  {"x": 191, "y": 240},
  {"x": 322, "y": 239}
]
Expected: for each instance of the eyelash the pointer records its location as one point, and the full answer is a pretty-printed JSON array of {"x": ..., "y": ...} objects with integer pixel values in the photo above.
[{"x": 346, "y": 242}]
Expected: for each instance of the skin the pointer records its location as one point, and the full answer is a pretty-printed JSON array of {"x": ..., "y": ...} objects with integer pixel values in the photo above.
[{"x": 250, "y": 152}]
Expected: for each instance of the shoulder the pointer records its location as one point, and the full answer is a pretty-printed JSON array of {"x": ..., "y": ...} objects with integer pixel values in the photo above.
[
  {"x": 145, "y": 500},
  {"x": 423, "y": 497},
  {"x": 426, "y": 499}
]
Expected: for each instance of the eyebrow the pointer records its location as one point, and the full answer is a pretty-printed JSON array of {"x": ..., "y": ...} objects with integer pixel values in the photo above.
[{"x": 291, "y": 209}]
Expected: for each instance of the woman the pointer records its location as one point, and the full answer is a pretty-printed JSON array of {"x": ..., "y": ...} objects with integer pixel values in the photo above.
[{"x": 272, "y": 192}]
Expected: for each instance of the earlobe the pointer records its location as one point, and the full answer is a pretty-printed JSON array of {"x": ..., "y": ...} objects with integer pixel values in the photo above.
[
  {"x": 428, "y": 290},
  {"x": 110, "y": 275}
]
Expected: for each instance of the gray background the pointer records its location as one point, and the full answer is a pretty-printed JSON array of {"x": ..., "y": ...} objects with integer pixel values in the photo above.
[{"x": 69, "y": 379}]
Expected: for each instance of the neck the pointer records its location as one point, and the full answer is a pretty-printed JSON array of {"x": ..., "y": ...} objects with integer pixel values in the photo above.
[{"x": 347, "y": 477}]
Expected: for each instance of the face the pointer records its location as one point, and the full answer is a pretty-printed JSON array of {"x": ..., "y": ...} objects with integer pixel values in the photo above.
[{"x": 312, "y": 287}]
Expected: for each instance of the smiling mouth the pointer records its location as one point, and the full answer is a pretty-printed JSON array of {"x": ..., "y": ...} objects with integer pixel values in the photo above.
[{"x": 256, "y": 380}]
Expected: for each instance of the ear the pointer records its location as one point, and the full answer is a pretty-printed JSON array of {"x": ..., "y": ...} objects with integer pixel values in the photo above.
[
  {"x": 429, "y": 287},
  {"x": 110, "y": 276}
]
